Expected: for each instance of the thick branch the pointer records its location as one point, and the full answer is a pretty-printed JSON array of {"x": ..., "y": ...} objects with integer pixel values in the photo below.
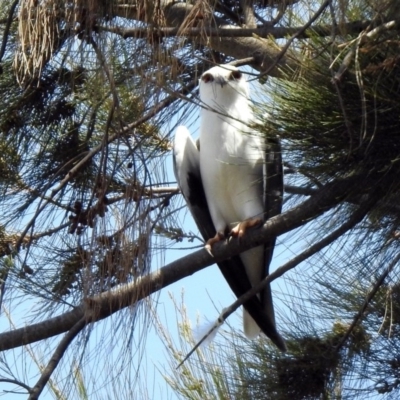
[
  {"x": 236, "y": 47},
  {"x": 278, "y": 32},
  {"x": 107, "y": 303},
  {"x": 236, "y": 42}
]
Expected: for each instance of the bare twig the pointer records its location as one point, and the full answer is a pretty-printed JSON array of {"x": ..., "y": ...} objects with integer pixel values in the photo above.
[
  {"x": 107, "y": 70},
  {"x": 243, "y": 61},
  {"x": 356, "y": 43},
  {"x": 15, "y": 382},
  {"x": 56, "y": 358},
  {"x": 301, "y": 190}
]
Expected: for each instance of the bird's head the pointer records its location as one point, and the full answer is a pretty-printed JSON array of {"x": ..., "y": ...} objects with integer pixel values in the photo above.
[{"x": 223, "y": 84}]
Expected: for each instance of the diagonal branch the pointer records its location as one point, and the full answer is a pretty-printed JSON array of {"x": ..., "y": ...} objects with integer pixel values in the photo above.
[
  {"x": 55, "y": 359},
  {"x": 370, "y": 296},
  {"x": 7, "y": 28},
  {"x": 295, "y": 36},
  {"x": 107, "y": 303},
  {"x": 353, "y": 220}
]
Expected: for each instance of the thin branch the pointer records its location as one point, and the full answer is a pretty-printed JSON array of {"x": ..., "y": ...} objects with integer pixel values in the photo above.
[
  {"x": 312, "y": 178},
  {"x": 56, "y": 358},
  {"x": 304, "y": 191},
  {"x": 7, "y": 28},
  {"x": 356, "y": 43},
  {"x": 242, "y": 62},
  {"x": 281, "y": 12},
  {"x": 371, "y": 295},
  {"x": 354, "y": 219},
  {"x": 15, "y": 382},
  {"x": 107, "y": 70},
  {"x": 7, "y": 243},
  {"x": 297, "y": 35},
  {"x": 73, "y": 171}
]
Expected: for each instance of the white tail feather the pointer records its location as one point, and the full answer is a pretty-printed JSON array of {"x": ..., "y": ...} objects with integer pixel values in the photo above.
[
  {"x": 202, "y": 330},
  {"x": 251, "y": 329}
]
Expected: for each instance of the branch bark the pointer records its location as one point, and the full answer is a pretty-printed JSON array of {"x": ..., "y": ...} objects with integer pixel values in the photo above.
[
  {"x": 107, "y": 303},
  {"x": 7, "y": 28},
  {"x": 55, "y": 359},
  {"x": 175, "y": 16},
  {"x": 234, "y": 41},
  {"x": 277, "y": 32}
]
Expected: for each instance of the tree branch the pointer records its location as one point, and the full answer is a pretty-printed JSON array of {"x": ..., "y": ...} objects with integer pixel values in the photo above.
[
  {"x": 248, "y": 13},
  {"x": 237, "y": 42},
  {"x": 107, "y": 303},
  {"x": 295, "y": 36},
  {"x": 72, "y": 172},
  {"x": 264, "y": 32},
  {"x": 370, "y": 296},
  {"x": 55, "y": 359},
  {"x": 15, "y": 382},
  {"x": 7, "y": 28}
]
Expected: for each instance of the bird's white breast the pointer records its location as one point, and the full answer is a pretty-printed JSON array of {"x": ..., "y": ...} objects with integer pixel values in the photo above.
[{"x": 231, "y": 162}]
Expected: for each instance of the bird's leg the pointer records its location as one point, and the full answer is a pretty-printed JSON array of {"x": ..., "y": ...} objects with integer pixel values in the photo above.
[
  {"x": 240, "y": 229},
  {"x": 210, "y": 242}
]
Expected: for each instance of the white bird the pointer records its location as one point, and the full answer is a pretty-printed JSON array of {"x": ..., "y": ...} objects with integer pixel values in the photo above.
[{"x": 232, "y": 181}]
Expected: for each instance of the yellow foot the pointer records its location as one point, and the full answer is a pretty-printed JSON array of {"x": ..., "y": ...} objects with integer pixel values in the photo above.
[
  {"x": 210, "y": 242},
  {"x": 240, "y": 229}
]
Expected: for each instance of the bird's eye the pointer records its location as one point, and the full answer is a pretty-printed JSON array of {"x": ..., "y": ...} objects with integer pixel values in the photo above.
[
  {"x": 207, "y": 78},
  {"x": 235, "y": 75}
]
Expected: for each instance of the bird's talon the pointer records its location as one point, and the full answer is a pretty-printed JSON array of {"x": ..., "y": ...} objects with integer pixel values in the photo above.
[
  {"x": 240, "y": 229},
  {"x": 208, "y": 249},
  {"x": 210, "y": 242}
]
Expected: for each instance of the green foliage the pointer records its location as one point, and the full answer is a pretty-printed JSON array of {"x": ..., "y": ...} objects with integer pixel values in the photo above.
[
  {"x": 338, "y": 115},
  {"x": 337, "y": 127},
  {"x": 313, "y": 368}
]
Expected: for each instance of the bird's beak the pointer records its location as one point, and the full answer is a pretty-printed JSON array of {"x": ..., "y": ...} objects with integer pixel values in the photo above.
[{"x": 221, "y": 81}]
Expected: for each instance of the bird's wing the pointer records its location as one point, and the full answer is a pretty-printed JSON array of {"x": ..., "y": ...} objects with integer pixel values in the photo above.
[
  {"x": 273, "y": 198},
  {"x": 187, "y": 172},
  {"x": 186, "y": 160}
]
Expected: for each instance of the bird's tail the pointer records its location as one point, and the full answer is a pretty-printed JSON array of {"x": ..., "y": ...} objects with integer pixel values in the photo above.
[
  {"x": 250, "y": 327},
  {"x": 252, "y": 330}
]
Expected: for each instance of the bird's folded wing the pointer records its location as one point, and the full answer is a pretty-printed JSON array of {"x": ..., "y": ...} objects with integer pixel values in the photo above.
[{"x": 273, "y": 198}]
